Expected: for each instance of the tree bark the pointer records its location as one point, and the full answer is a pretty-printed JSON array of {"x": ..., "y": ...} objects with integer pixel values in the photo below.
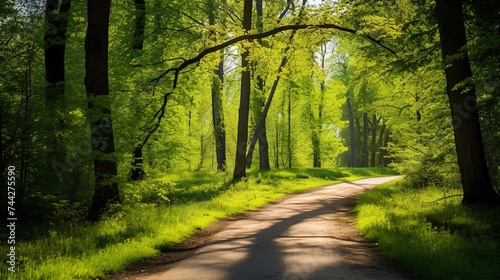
[
  {"x": 139, "y": 24},
  {"x": 217, "y": 109},
  {"x": 242, "y": 138},
  {"x": 218, "y": 117},
  {"x": 96, "y": 84},
  {"x": 260, "y": 131},
  {"x": 380, "y": 144},
  {"x": 476, "y": 180}
]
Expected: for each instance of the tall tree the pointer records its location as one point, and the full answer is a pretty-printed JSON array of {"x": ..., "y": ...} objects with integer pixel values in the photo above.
[
  {"x": 217, "y": 109},
  {"x": 241, "y": 142},
  {"x": 260, "y": 128},
  {"x": 56, "y": 25},
  {"x": 366, "y": 130},
  {"x": 476, "y": 180},
  {"x": 137, "y": 170},
  {"x": 317, "y": 122},
  {"x": 101, "y": 126},
  {"x": 373, "y": 131}
]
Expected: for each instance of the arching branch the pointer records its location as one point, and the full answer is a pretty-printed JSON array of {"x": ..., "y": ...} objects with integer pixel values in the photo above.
[
  {"x": 271, "y": 32},
  {"x": 161, "y": 112}
]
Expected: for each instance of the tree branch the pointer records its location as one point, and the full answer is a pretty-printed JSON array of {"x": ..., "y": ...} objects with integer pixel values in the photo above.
[
  {"x": 258, "y": 36},
  {"x": 161, "y": 112}
]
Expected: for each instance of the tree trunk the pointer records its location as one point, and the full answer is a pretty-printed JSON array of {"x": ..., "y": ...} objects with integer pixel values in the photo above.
[
  {"x": 137, "y": 171},
  {"x": 218, "y": 117},
  {"x": 263, "y": 116},
  {"x": 380, "y": 144},
  {"x": 374, "y": 139},
  {"x": 319, "y": 121},
  {"x": 217, "y": 109},
  {"x": 260, "y": 131},
  {"x": 242, "y": 138},
  {"x": 277, "y": 146},
  {"x": 366, "y": 130},
  {"x": 476, "y": 180},
  {"x": 139, "y": 24},
  {"x": 56, "y": 25},
  {"x": 354, "y": 159},
  {"x": 96, "y": 85},
  {"x": 289, "y": 138}
]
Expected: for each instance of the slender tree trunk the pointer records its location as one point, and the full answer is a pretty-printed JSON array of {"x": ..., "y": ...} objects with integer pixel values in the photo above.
[
  {"x": 354, "y": 159},
  {"x": 263, "y": 116},
  {"x": 366, "y": 130},
  {"x": 316, "y": 150},
  {"x": 359, "y": 141},
  {"x": 242, "y": 138},
  {"x": 139, "y": 24},
  {"x": 218, "y": 117},
  {"x": 277, "y": 146},
  {"x": 319, "y": 122},
  {"x": 260, "y": 131},
  {"x": 380, "y": 146},
  {"x": 217, "y": 109},
  {"x": 289, "y": 138},
  {"x": 96, "y": 84},
  {"x": 317, "y": 127},
  {"x": 476, "y": 180},
  {"x": 374, "y": 140},
  {"x": 137, "y": 171},
  {"x": 56, "y": 25}
]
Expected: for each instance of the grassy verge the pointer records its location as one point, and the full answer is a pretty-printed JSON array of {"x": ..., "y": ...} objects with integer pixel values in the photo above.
[
  {"x": 436, "y": 238},
  {"x": 157, "y": 214}
]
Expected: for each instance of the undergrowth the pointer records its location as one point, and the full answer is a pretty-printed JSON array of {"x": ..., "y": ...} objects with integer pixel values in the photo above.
[
  {"x": 429, "y": 231},
  {"x": 156, "y": 214}
]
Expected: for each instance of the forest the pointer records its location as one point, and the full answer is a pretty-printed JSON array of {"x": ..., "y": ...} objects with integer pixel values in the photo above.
[{"x": 101, "y": 101}]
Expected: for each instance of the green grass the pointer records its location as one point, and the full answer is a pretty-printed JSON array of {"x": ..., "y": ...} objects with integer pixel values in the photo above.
[
  {"x": 157, "y": 214},
  {"x": 437, "y": 239}
]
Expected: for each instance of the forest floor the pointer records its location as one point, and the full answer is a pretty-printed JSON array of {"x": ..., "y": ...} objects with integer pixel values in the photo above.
[{"x": 308, "y": 235}]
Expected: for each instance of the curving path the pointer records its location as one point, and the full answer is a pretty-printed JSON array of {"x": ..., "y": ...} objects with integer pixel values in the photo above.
[{"x": 304, "y": 236}]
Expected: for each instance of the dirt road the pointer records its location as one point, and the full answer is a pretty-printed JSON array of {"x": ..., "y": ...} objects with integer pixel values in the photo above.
[{"x": 304, "y": 236}]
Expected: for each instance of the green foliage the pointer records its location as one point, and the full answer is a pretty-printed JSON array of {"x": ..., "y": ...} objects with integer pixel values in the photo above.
[
  {"x": 140, "y": 229},
  {"x": 403, "y": 97},
  {"x": 430, "y": 232}
]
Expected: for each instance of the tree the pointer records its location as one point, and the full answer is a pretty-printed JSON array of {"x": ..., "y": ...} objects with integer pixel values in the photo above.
[
  {"x": 476, "y": 180},
  {"x": 101, "y": 126},
  {"x": 241, "y": 142},
  {"x": 56, "y": 25},
  {"x": 260, "y": 131},
  {"x": 217, "y": 109},
  {"x": 260, "y": 128},
  {"x": 137, "y": 170}
]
